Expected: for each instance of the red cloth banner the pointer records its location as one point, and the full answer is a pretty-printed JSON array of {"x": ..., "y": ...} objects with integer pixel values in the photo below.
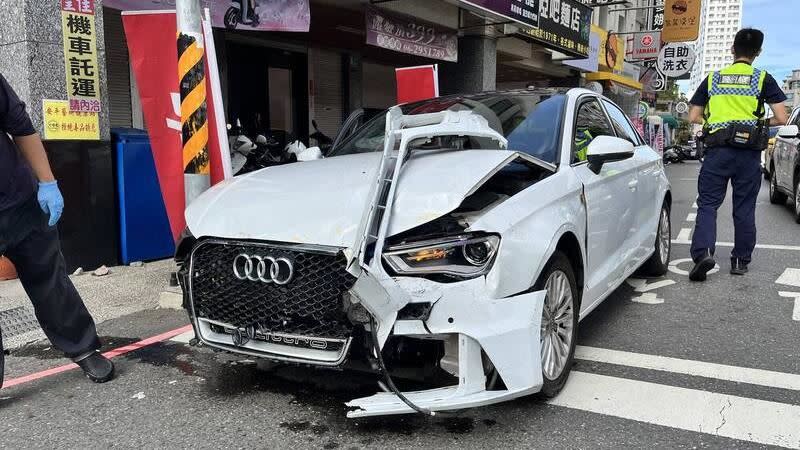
[
  {"x": 417, "y": 83},
  {"x": 154, "y": 60}
]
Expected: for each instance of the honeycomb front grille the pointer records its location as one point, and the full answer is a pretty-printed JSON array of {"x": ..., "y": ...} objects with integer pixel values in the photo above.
[{"x": 309, "y": 305}]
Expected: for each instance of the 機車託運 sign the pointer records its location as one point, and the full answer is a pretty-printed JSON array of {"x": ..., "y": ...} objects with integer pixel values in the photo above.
[
  {"x": 80, "y": 55},
  {"x": 563, "y": 25}
]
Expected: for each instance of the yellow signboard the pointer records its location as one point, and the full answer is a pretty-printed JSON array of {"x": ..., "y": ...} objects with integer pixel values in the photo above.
[
  {"x": 681, "y": 20},
  {"x": 612, "y": 53},
  {"x": 62, "y": 124},
  {"x": 80, "y": 57}
]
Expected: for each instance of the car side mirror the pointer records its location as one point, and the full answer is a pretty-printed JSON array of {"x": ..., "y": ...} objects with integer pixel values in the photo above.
[
  {"x": 606, "y": 149},
  {"x": 789, "y": 132}
]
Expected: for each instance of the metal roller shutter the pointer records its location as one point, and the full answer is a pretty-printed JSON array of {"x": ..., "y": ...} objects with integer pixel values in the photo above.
[
  {"x": 329, "y": 90},
  {"x": 118, "y": 69}
]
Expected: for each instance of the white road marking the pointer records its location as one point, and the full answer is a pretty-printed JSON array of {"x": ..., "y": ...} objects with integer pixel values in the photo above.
[
  {"x": 673, "y": 267},
  {"x": 723, "y": 372},
  {"x": 685, "y": 235},
  {"x": 184, "y": 338},
  {"x": 694, "y": 205},
  {"x": 752, "y": 420},
  {"x": 794, "y": 248},
  {"x": 790, "y": 277},
  {"x": 642, "y": 286},
  {"x": 796, "y": 297},
  {"x": 648, "y": 298},
  {"x": 691, "y": 217}
]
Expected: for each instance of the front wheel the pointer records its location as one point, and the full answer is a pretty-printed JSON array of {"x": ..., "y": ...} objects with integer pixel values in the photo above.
[
  {"x": 232, "y": 18},
  {"x": 658, "y": 264},
  {"x": 559, "y": 327},
  {"x": 776, "y": 197},
  {"x": 797, "y": 199}
]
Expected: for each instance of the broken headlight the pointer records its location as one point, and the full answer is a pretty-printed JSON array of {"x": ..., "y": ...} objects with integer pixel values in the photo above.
[{"x": 462, "y": 256}]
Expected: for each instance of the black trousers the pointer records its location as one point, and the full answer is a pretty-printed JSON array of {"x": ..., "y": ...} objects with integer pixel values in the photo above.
[{"x": 35, "y": 250}]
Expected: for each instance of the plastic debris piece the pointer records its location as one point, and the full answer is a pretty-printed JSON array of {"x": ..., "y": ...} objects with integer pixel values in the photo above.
[
  {"x": 139, "y": 396},
  {"x": 137, "y": 264},
  {"x": 101, "y": 271},
  {"x": 78, "y": 272}
]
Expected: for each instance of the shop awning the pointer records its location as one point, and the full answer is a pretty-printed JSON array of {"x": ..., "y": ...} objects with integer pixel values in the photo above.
[{"x": 608, "y": 76}]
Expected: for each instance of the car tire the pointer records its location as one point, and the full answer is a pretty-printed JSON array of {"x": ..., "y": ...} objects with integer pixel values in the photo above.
[
  {"x": 776, "y": 197},
  {"x": 558, "y": 279},
  {"x": 797, "y": 198},
  {"x": 658, "y": 264}
]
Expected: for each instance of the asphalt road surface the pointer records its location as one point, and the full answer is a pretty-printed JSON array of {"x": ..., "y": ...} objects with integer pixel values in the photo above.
[{"x": 661, "y": 364}]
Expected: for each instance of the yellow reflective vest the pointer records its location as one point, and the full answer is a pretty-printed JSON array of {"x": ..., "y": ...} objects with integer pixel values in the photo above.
[{"x": 733, "y": 96}]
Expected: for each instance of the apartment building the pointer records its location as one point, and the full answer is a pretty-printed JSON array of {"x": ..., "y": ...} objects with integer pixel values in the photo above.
[
  {"x": 791, "y": 86},
  {"x": 720, "y": 21}
]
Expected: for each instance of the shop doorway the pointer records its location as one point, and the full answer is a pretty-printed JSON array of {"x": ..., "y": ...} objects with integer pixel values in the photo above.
[{"x": 267, "y": 92}]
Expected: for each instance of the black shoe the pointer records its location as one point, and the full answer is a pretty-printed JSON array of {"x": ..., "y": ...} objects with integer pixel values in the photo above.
[
  {"x": 738, "y": 267},
  {"x": 701, "y": 268},
  {"x": 97, "y": 367}
]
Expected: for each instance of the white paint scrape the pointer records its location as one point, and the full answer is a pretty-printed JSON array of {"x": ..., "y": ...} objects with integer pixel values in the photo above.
[{"x": 760, "y": 421}]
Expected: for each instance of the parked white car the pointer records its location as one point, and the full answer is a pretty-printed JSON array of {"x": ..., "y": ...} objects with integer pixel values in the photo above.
[
  {"x": 458, "y": 239},
  {"x": 784, "y": 164}
]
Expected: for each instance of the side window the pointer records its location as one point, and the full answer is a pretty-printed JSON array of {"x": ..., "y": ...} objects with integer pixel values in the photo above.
[
  {"x": 621, "y": 124},
  {"x": 590, "y": 123}
]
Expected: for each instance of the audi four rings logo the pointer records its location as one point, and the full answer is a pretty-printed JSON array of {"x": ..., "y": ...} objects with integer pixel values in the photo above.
[{"x": 267, "y": 269}]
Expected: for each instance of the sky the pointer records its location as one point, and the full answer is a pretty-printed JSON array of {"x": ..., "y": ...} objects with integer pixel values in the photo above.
[{"x": 778, "y": 19}]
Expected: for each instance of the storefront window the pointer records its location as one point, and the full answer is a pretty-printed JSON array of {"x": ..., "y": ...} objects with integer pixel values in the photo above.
[{"x": 530, "y": 122}]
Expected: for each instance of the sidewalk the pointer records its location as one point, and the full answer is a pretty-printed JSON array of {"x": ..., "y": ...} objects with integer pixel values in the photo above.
[{"x": 125, "y": 290}]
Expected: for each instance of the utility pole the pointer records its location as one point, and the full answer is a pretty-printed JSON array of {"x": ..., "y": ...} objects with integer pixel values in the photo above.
[{"x": 192, "y": 81}]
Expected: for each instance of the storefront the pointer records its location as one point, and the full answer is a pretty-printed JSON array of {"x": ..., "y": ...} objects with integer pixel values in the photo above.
[{"x": 619, "y": 79}]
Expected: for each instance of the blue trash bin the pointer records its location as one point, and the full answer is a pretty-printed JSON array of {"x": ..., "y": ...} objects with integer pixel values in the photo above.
[{"x": 144, "y": 229}]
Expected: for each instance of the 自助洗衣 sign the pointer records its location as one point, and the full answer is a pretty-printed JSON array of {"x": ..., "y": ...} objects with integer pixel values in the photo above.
[
  {"x": 62, "y": 124},
  {"x": 80, "y": 55},
  {"x": 681, "y": 20},
  {"x": 409, "y": 35},
  {"x": 563, "y": 25},
  {"x": 676, "y": 59}
]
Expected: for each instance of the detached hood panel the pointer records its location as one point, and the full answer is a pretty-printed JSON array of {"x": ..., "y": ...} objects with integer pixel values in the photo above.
[{"x": 322, "y": 202}]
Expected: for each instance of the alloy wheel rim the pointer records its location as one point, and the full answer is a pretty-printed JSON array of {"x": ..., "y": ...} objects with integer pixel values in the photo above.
[
  {"x": 557, "y": 325},
  {"x": 664, "y": 236}
]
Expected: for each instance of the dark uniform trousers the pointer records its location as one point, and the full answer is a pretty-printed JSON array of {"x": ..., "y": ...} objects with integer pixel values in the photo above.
[
  {"x": 742, "y": 168},
  {"x": 34, "y": 248}
]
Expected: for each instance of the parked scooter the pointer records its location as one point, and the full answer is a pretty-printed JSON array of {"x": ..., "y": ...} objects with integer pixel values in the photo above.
[
  {"x": 241, "y": 12},
  {"x": 673, "y": 155},
  {"x": 320, "y": 139}
]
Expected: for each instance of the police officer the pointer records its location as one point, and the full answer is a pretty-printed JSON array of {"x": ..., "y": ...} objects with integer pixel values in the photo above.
[
  {"x": 30, "y": 206},
  {"x": 730, "y": 104}
]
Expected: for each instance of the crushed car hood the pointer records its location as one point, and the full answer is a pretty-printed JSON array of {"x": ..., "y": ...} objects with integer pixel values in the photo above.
[{"x": 322, "y": 202}]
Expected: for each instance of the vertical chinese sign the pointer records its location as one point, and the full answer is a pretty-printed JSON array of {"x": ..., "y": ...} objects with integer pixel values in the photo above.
[{"x": 80, "y": 55}]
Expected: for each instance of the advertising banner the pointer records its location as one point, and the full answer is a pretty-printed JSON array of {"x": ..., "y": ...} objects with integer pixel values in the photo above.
[
  {"x": 591, "y": 63},
  {"x": 681, "y": 20},
  {"x": 406, "y": 34},
  {"x": 644, "y": 45},
  {"x": 417, "y": 83},
  {"x": 612, "y": 51},
  {"x": 563, "y": 25},
  {"x": 155, "y": 66},
  {"x": 62, "y": 124},
  {"x": 80, "y": 55},
  {"x": 260, "y": 15}
]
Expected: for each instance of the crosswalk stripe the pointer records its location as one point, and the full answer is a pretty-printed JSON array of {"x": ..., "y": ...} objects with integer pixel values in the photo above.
[
  {"x": 723, "y": 372},
  {"x": 747, "y": 419},
  {"x": 685, "y": 234}
]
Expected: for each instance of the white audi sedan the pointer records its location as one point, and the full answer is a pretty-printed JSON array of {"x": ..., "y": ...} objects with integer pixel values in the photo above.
[{"x": 458, "y": 241}]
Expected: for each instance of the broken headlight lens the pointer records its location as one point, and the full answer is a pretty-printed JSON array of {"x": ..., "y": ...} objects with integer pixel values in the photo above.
[{"x": 462, "y": 256}]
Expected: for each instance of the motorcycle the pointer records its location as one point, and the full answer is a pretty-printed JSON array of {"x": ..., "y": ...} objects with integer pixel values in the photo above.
[
  {"x": 241, "y": 12},
  {"x": 673, "y": 155}
]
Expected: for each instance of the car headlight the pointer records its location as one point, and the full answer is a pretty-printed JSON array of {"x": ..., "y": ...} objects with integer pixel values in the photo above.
[{"x": 462, "y": 256}]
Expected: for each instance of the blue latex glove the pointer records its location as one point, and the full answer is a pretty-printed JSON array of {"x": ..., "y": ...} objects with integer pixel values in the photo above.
[{"x": 51, "y": 201}]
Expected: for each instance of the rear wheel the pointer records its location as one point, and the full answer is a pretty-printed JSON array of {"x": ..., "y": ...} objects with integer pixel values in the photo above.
[
  {"x": 776, "y": 197},
  {"x": 658, "y": 264},
  {"x": 559, "y": 327}
]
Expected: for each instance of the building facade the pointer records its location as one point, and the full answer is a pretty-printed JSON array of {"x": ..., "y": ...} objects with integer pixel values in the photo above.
[
  {"x": 719, "y": 23},
  {"x": 791, "y": 86}
]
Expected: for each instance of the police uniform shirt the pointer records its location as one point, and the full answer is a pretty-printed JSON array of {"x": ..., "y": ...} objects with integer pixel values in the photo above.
[
  {"x": 17, "y": 183},
  {"x": 772, "y": 92}
]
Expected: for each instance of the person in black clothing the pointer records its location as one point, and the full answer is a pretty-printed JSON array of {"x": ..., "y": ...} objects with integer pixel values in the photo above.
[{"x": 30, "y": 206}]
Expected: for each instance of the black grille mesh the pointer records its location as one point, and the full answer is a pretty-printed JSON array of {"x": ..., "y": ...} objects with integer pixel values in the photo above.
[{"x": 310, "y": 305}]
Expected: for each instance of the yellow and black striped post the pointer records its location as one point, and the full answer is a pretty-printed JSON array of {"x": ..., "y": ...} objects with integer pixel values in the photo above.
[{"x": 194, "y": 118}]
